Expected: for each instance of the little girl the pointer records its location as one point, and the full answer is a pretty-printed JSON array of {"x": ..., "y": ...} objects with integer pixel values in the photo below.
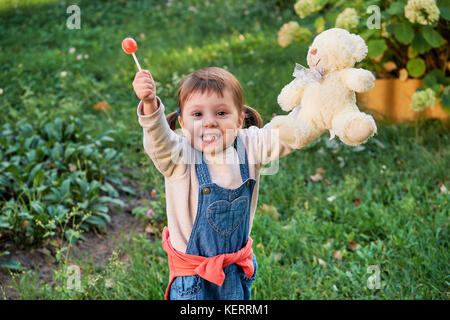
[{"x": 211, "y": 180}]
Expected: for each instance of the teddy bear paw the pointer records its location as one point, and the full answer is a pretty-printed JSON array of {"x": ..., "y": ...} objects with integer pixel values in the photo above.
[{"x": 360, "y": 130}]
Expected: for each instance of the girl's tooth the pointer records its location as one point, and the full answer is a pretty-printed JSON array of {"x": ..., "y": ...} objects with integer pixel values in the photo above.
[{"x": 209, "y": 138}]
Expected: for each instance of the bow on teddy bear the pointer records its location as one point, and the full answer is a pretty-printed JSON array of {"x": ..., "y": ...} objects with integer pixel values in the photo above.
[{"x": 326, "y": 93}]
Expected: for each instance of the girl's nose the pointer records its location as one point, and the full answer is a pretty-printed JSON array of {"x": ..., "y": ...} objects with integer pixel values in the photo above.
[{"x": 209, "y": 122}]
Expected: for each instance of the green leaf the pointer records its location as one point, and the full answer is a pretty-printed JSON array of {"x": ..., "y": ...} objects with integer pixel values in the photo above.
[
  {"x": 127, "y": 189},
  {"x": 96, "y": 221},
  {"x": 109, "y": 153},
  {"x": 432, "y": 37},
  {"x": 54, "y": 196},
  {"x": 444, "y": 8},
  {"x": 103, "y": 215},
  {"x": 404, "y": 33},
  {"x": 72, "y": 236},
  {"x": 84, "y": 205},
  {"x": 416, "y": 67},
  {"x": 106, "y": 139},
  {"x": 68, "y": 152},
  {"x": 445, "y": 98},
  {"x": 4, "y": 224},
  {"x": 110, "y": 189},
  {"x": 39, "y": 177},
  {"x": 11, "y": 264},
  {"x": 25, "y": 215},
  {"x": 100, "y": 208},
  {"x": 4, "y": 253},
  {"x": 420, "y": 44},
  {"x": 435, "y": 77},
  {"x": 69, "y": 129},
  {"x": 376, "y": 47},
  {"x": 65, "y": 187},
  {"x": 33, "y": 172},
  {"x": 37, "y": 207},
  {"x": 319, "y": 24},
  {"x": 396, "y": 9},
  {"x": 4, "y": 181},
  {"x": 411, "y": 52},
  {"x": 118, "y": 202}
]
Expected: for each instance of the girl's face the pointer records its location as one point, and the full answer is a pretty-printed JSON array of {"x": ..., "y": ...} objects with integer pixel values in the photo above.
[{"x": 210, "y": 122}]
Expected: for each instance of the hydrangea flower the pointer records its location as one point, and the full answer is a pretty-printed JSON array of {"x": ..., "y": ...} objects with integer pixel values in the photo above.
[
  {"x": 422, "y": 11},
  {"x": 305, "y": 7},
  {"x": 347, "y": 19},
  {"x": 292, "y": 31},
  {"x": 423, "y": 99}
]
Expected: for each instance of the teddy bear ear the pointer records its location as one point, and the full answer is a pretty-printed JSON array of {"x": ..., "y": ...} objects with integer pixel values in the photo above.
[{"x": 360, "y": 48}]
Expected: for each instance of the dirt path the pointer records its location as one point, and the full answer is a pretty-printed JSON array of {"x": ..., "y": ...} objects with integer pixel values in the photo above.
[{"x": 97, "y": 247}]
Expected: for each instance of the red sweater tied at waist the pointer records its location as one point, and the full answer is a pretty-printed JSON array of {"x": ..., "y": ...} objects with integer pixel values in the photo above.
[{"x": 209, "y": 268}]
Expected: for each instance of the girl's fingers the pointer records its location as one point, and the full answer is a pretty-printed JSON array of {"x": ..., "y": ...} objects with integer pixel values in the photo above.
[
  {"x": 143, "y": 75},
  {"x": 147, "y": 91},
  {"x": 144, "y": 86},
  {"x": 145, "y": 80}
]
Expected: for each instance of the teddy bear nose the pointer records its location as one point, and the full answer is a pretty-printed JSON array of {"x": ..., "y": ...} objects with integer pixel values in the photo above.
[{"x": 313, "y": 51}]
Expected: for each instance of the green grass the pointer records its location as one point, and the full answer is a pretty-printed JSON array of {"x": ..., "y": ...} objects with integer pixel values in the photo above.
[{"x": 387, "y": 192}]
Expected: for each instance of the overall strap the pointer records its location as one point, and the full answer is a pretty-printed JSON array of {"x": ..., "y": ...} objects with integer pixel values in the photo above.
[{"x": 243, "y": 160}]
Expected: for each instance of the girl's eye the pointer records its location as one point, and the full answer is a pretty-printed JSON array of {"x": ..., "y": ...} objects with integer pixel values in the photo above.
[{"x": 221, "y": 113}]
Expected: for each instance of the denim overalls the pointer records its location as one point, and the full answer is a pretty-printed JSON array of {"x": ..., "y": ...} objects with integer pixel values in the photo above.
[{"x": 221, "y": 226}]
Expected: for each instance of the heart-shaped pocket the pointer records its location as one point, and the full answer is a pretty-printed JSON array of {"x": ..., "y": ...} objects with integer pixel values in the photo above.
[{"x": 225, "y": 217}]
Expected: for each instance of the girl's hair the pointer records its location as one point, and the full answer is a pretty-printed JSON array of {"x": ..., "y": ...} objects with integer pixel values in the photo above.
[{"x": 215, "y": 80}]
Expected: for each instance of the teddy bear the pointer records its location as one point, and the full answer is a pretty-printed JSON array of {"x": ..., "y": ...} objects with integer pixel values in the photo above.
[{"x": 325, "y": 93}]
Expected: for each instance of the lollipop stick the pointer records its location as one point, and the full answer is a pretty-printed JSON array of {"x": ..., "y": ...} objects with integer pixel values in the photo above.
[{"x": 136, "y": 60}]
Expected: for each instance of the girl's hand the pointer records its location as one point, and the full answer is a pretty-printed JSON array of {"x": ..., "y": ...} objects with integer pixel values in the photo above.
[{"x": 145, "y": 88}]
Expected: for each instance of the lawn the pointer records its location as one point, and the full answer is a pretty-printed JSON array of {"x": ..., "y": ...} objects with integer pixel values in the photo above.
[{"x": 333, "y": 217}]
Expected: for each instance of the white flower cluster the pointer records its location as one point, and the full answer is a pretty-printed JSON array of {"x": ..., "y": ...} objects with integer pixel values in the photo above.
[
  {"x": 423, "y": 99},
  {"x": 424, "y": 12},
  {"x": 305, "y": 7},
  {"x": 292, "y": 31},
  {"x": 347, "y": 19}
]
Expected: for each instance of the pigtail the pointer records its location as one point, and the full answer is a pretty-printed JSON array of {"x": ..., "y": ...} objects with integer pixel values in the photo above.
[
  {"x": 172, "y": 120},
  {"x": 252, "y": 117}
]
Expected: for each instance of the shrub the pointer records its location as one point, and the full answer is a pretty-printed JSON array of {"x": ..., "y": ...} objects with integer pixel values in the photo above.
[{"x": 54, "y": 176}]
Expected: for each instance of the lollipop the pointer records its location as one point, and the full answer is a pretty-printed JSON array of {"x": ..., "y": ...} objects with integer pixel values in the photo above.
[{"x": 130, "y": 47}]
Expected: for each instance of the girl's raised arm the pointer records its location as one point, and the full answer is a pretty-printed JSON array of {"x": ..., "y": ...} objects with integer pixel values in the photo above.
[
  {"x": 162, "y": 145},
  {"x": 265, "y": 143}
]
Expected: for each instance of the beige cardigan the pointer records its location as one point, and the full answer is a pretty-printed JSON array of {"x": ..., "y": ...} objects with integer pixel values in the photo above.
[{"x": 174, "y": 157}]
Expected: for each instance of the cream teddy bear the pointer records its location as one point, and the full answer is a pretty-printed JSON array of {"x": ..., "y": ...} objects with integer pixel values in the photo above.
[{"x": 326, "y": 93}]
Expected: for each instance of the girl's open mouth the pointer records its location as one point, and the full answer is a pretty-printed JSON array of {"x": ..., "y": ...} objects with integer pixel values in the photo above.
[{"x": 207, "y": 139}]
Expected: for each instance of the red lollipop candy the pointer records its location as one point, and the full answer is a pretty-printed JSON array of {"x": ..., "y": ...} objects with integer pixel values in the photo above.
[{"x": 130, "y": 47}]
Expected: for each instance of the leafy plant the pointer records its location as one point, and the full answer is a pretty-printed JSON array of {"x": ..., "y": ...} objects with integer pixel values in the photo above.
[
  {"x": 405, "y": 38},
  {"x": 55, "y": 174}
]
